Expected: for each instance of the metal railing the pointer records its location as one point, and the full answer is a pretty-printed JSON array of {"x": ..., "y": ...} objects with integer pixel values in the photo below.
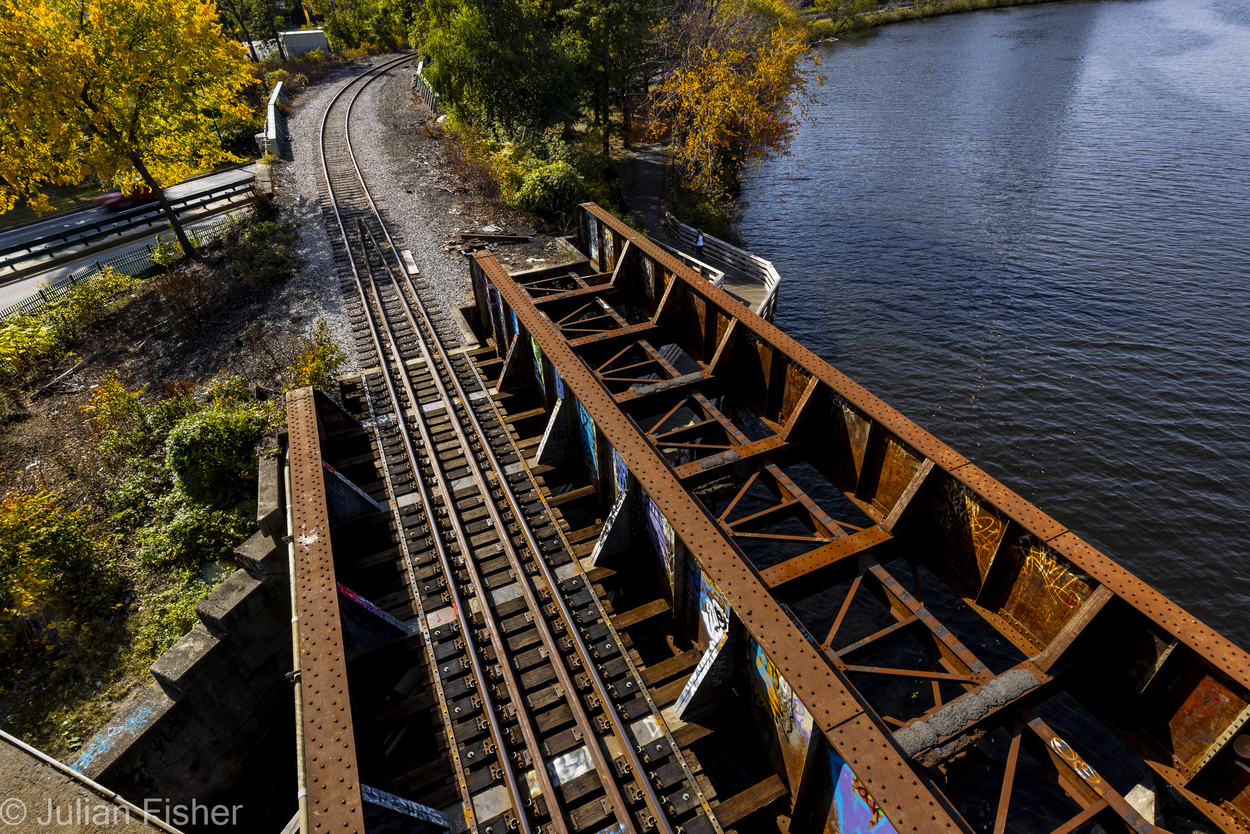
[
  {"x": 54, "y": 244},
  {"x": 275, "y": 140},
  {"x": 421, "y": 84},
  {"x": 751, "y": 265},
  {"x": 135, "y": 262}
]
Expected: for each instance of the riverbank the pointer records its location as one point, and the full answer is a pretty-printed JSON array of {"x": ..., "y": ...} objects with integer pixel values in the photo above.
[{"x": 862, "y": 15}]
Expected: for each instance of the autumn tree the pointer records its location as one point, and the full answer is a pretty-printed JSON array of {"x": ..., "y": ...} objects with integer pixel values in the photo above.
[
  {"x": 122, "y": 89},
  {"x": 730, "y": 89}
]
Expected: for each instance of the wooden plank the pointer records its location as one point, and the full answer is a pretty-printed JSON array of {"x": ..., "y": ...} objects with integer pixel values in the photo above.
[
  {"x": 673, "y": 666},
  {"x": 571, "y": 495},
  {"x": 669, "y": 692},
  {"x": 641, "y": 613},
  {"x": 523, "y": 415},
  {"x": 688, "y": 734},
  {"x": 754, "y": 798}
]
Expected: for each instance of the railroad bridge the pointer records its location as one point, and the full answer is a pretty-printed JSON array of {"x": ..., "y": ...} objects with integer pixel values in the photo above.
[{"x": 618, "y": 555}]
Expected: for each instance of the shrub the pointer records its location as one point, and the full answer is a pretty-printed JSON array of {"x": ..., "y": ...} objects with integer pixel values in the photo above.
[
  {"x": 552, "y": 190},
  {"x": 189, "y": 533},
  {"x": 212, "y": 448},
  {"x": 49, "y": 559},
  {"x": 168, "y": 615},
  {"x": 25, "y": 338},
  {"x": 714, "y": 218},
  {"x": 317, "y": 362},
  {"x": 259, "y": 254},
  {"x": 119, "y": 420}
]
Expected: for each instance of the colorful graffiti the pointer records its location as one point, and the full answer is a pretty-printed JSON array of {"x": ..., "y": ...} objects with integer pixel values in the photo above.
[
  {"x": 857, "y": 812},
  {"x": 538, "y": 362},
  {"x": 787, "y": 711},
  {"x": 659, "y": 533},
  {"x": 620, "y": 471},
  {"x": 713, "y": 610},
  {"x": 586, "y": 438},
  {"x": 592, "y": 237}
]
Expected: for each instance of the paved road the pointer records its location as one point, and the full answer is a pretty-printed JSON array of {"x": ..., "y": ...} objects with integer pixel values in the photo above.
[
  {"x": 17, "y": 290},
  {"x": 57, "y": 224}
]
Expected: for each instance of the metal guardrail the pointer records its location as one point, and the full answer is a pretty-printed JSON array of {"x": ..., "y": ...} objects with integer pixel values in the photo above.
[
  {"x": 753, "y": 265},
  {"x": 419, "y": 82},
  {"x": 275, "y": 140},
  {"x": 135, "y": 262},
  {"x": 146, "y": 215}
]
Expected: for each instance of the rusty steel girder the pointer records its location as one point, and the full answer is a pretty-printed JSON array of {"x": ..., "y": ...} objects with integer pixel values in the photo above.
[
  {"x": 722, "y": 420},
  {"x": 329, "y": 744}
]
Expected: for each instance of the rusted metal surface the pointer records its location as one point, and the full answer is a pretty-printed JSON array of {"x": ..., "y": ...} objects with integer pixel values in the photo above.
[
  {"x": 329, "y": 752},
  {"x": 784, "y": 480},
  {"x": 886, "y": 773}
]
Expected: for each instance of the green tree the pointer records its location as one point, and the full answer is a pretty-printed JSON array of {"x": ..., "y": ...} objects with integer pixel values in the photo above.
[
  {"x": 500, "y": 62},
  {"x": 238, "y": 14},
  {"x": 120, "y": 89}
]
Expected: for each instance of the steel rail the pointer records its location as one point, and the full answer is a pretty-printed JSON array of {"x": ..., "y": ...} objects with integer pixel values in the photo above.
[
  {"x": 462, "y": 535},
  {"x": 583, "y": 651},
  {"x": 631, "y": 750},
  {"x": 611, "y": 787},
  {"x": 465, "y": 624}
]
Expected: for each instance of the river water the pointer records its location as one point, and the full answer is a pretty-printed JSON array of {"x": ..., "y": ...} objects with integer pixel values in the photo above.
[{"x": 1028, "y": 229}]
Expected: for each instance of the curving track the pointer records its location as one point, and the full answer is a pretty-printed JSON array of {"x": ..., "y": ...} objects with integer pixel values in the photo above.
[{"x": 545, "y": 720}]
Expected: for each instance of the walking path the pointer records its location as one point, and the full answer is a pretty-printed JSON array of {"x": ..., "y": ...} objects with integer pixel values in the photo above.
[{"x": 643, "y": 184}]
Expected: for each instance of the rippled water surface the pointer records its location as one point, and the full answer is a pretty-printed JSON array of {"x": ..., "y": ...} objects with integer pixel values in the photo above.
[{"x": 1029, "y": 230}]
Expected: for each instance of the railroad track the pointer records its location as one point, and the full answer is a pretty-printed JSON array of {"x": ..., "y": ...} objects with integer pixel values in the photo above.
[{"x": 543, "y": 721}]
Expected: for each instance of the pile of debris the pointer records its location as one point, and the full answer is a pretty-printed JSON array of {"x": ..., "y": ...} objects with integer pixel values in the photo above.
[{"x": 466, "y": 243}]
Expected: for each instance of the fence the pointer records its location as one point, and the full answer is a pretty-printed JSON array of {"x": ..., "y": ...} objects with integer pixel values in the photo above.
[
  {"x": 419, "y": 83},
  {"x": 12, "y": 257},
  {"x": 135, "y": 262},
  {"x": 753, "y": 266},
  {"x": 275, "y": 141}
]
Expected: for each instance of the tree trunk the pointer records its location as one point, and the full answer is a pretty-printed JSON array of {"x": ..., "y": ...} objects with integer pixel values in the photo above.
[
  {"x": 238, "y": 19},
  {"x": 607, "y": 111},
  {"x": 273, "y": 30},
  {"x": 174, "y": 222},
  {"x": 626, "y": 120}
]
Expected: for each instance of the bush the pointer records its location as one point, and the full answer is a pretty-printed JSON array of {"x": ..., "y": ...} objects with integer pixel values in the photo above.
[
  {"x": 189, "y": 533},
  {"x": 119, "y": 420},
  {"x": 213, "y": 448},
  {"x": 50, "y": 562},
  {"x": 317, "y": 361},
  {"x": 167, "y": 616},
  {"x": 259, "y": 254},
  {"x": 716, "y": 219},
  {"x": 25, "y": 338},
  {"x": 552, "y": 190}
]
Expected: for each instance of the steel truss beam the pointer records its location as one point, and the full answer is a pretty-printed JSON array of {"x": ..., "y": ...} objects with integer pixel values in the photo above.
[{"x": 716, "y": 413}]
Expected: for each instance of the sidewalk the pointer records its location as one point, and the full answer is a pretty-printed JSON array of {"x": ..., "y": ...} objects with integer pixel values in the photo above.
[{"x": 643, "y": 185}]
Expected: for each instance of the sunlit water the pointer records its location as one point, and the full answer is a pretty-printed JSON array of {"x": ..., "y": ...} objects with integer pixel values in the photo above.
[{"x": 1029, "y": 230}]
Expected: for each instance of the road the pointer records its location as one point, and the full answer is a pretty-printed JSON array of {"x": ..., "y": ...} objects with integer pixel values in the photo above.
[
  {"x": 15, "y": 291},
  {"x": 59, "y": 223}
]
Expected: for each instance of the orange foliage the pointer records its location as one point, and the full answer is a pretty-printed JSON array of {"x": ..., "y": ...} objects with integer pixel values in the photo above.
[{"x": 732, "y": 92}]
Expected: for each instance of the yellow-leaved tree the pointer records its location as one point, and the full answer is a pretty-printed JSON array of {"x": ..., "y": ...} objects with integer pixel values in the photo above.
[
  {"x": 731, "y": 87},
  {"x": 122, "y": 89}
]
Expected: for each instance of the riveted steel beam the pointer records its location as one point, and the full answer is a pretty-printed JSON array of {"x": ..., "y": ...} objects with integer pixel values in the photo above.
[{"x": 329, "y": 743}]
